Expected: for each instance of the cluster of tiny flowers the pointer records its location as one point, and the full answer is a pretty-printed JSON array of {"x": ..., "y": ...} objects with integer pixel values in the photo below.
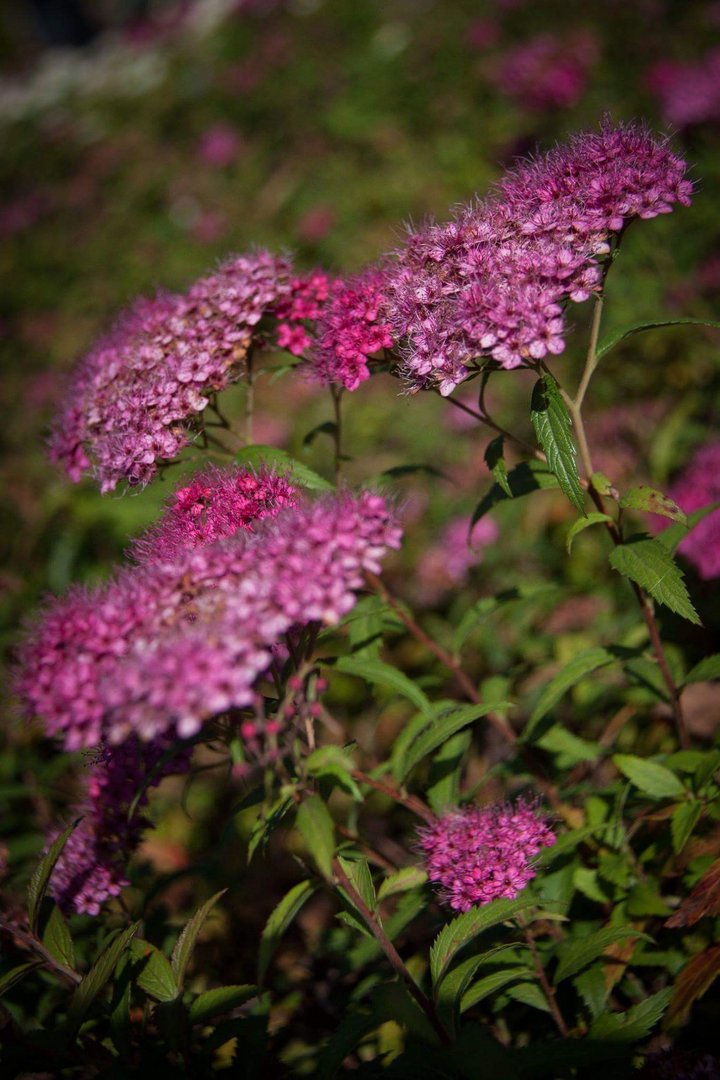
[
  {"x": 697, "y": 486},
  {"x": 91, "y": 867},
  {"x": 167, "y": 645},
  {"x": 132, "y": 398},
  {"x": 215, "y": 504},
  {"x": 478, "y": 854},
  {"x": 547, "y": 72},
  {"x": 301, "y": 306},
  {"x": 352, "y": 326},
  {"x": 495, "y": 281}
]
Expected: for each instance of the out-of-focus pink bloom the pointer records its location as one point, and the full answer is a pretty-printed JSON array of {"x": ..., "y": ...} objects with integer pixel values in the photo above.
[
  {"x": 219, "y": 146},
  {"x": 448, "y": 562},
  {"x": 482, "y": 34},
  {"x": 21, "y": 213},
  {"x": 209, "y": 227},
  {"x": 479, "y": 854},
  {"x": 316, "y": 223},
  {"x": 688, "y": 93},
  {"x": 698, "y": 485},
  {"x": 547, "y": 72}
]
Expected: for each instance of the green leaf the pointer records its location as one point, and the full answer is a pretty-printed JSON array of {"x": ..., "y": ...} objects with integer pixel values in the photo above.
[
  {"x": 396, "y": 472},
  {"x": 212, "y": 1003},
  {"x": 318, "y": 831},
  {"x": 707, "y": 669},
  {"x": 450, "y": 992},
  {"x": 602, "y": 484},
  {"x": 581, "y": 665},
  {"x": 674, "y": 535},
  {"x": 490, "y": 604},
  {"x": 652, "y": 779},
  {"x": 410, "y": 877},
  {"x": 529, "y": 993},
  {"x": 446, "y": 770},
  {"x": 185, "y": 944},
  {"x": 634, "y": 1023},
  {"x": 553, "y": 427},
  {"x": 638, "y": 328},
  {"x": 268, "y": 822},
  {"x": 156, "y": 977},
  {"x": 570, "y": 749},
  {"x": 593, "y": 518},
  {"x": 644, "y": 899},
  {"x": 360, "y": 877},
  {"x": 576, "y": 955},
  {"x": 465, "y": 928},
  {"x": 495, "y": 461},
  {"x": 329, "y": 427},
  {"x": 40, "y": 879},
  {"x": 490, "y": 984},
  {"x": 591, "y": 987},
  {"x": 56, "y": 937},
  {"x": 646, "y": 562},
  {"x": 409, "y": 906},
  {"x": 271, "y": 455},
  {"x": 98, "y": 975},
  {"x": 526, "y": 477},
  {"x": 280, "y": 919},
  {"x": 334, "y": 762},
  {"x": 442, "y": 727},
  {"x": 17, "y": 974},
  {"x": 653, "y": 501},
  {"x": 685, "y": 818},
  {"x": 379, "y": 673}
]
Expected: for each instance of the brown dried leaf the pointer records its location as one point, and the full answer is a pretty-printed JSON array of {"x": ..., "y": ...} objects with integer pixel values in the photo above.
[
  {"x": 703, "y": 900},
  {"x": 695, "y": 978}
]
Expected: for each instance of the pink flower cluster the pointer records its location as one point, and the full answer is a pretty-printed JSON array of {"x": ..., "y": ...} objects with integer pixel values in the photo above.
[
  {"x": 546, "y": 72},
  {"x": 495, "y": 281},
  {"x": 91, "y": 868},
  {"x": 697, "y": 486},
  {"x": 132, "y": 398},
  {"x": 215, "y": 504},
  {"x": 303, "y": 304},
  {"x": 688, "y": 93},
  {"x": 352, "y": 326},
  {"x": 164, "y": 646},
  {"x": 478, "y": 854}
]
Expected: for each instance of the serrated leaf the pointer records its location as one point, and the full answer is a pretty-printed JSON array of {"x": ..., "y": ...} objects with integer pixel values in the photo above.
[
  {"x": 377, "y": 672},
  {"x": 705, "y": 671},
  {"x": 40, "y": 879},
  {"x": 224, "y": 999},
  {"x": 553, "y": 426},
  {"x": 450, "y": 992},
  {"x": 442, "y": 727},
  {"x": 592, "y": 988},
  {"x": 495, "y": 461},
  {"x": 654, "y": 502},
  {"x": 98, "y": 975},
  {"x": 156, "y": 977},
  {"x": 646, "y": 562},
  {"x": 638, "y": 328},
  {"x": 360, "y": 877},
  {"x": 581, "y": 665},
  {"x": 282, "y": 461},
  {"x": 410, "y": 877},
  {"x": 17, "y": 974},
  {"x": 529, "y": 993},
  {"x": 185, "y": 944},
  {"x": 576, "y": 955},
  {"x": 593, "y": 518},
  {"x": 633, "y": 1024},
  {"x": 335, "y": 762},
  {"x": 490, "y": 984},
  {"x": 524, "y": 478},
  {"x": 644, "y": 899},
  {"x": 279, "y": 920},
  {"x": 446, "y": 770},
  {"x": 318, "y": 831},
  {"x": 694, "y": 980},
  {"x": 650, "y": 777},
  {"x": 409, "y": 905},
  {"x": 56, "y": 937},
  {"x": 685, "y": 818},
  {"x": 674, "y": 535},
  {"x": 466, "y": 927}
]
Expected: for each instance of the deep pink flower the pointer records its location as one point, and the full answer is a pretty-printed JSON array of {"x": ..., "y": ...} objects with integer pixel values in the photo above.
[
  {"x": 688, "y": 93},
  {"x": 547, "y": 72},
  {"x": 698, "y": 485},
  {"x": 219, "y": 146},
  {"x": 352, "y": 325},
  {"x": 478, "y": 854}
]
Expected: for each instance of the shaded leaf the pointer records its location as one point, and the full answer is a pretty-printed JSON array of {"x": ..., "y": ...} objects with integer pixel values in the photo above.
[
  {"x": 635, "y": 1023},
  {"x": 685, "y": 818},
  {"x": 466, "y": 927},
  {"x": 652, "y": 779},
  {"x": 282, "y": 461},
  {"x": 378, "y": 672},
  {"x": 569, "y": 748},
  {"x": 705, "y": 671},
  {"x": 638, "y": 328},
  {"x": 56, "y": 937},
  {"x": 581, "y": 665},
  {"x": 37, "y": 886},
  {"x": 575, "y": 955},
  {"x": 328, "y": 427},
  {"x": 553, "y": 426},
  {"x": 649, "y": 564},
  {"x": 98, "y": 975},
  {"x": 318, "y": 831},
  {"x": 185, "y": 944},
  {"x": 674, "y": 535},
  {"x": 280, "y": 919},
  {"x": 653, "y": 501},
  {"x": 442, "y": 727},
  {"x": 696, "y": 977},
  {"x": 490, "y": 984},
  {"x": 212, "y": 1003},
  {"x": 17, "y": 974},
  {"x": 593, "y": 518},
  {"x": 495, "y": 461},
  {"x": 524, "y": 478},
  {"x": 156, "y": 977},
  {"x": 703, "y": 900},
  {"x": 410, "y": 877}
]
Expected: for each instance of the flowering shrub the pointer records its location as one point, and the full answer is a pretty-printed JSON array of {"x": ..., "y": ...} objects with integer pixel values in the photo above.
[{"x": 518, "y": 873}]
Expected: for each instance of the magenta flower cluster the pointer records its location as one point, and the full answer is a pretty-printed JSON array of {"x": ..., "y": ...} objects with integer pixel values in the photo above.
[
  {"x": 92, "y": 866},
  {"x": 547, "y": 72},
  {"x": 698, "y": 485},
  {"x": 132, "y": 399},
  {"x": 353, "y": 325},
  {"x": 688, "y": 93},
  {"x": 479, "y": 854},
  {"x": 166, "y": 645}
]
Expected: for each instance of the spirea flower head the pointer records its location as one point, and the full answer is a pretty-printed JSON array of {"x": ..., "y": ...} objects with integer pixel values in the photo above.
[
  {"x": 92, "y": 865},
  {"x": 131, "y": 400},
  {"x": 352, "y": 326},
  {"x": 697, "y": 486},
  {"x": 547, "y": 72},
  {"x": 216, "y": 503},
  {"x": 478, "y": 854},
  {"x": 167, "y": 645},
  {"x": 495, "y": 281}
]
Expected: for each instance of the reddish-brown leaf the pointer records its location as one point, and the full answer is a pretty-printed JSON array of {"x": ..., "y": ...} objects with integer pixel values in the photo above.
[
  {"x": 703, "y": 900},
  {"x": 692, "y": 982}
]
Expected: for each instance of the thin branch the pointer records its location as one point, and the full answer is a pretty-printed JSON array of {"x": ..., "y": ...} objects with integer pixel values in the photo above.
[
  {"x": 336, "y": 392},
  {"x": 547, "y": 987},
  {"x": 33, "y": 944},
  {"x": 410, "y": 802},
  {"x": 484, "y": 419}
]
